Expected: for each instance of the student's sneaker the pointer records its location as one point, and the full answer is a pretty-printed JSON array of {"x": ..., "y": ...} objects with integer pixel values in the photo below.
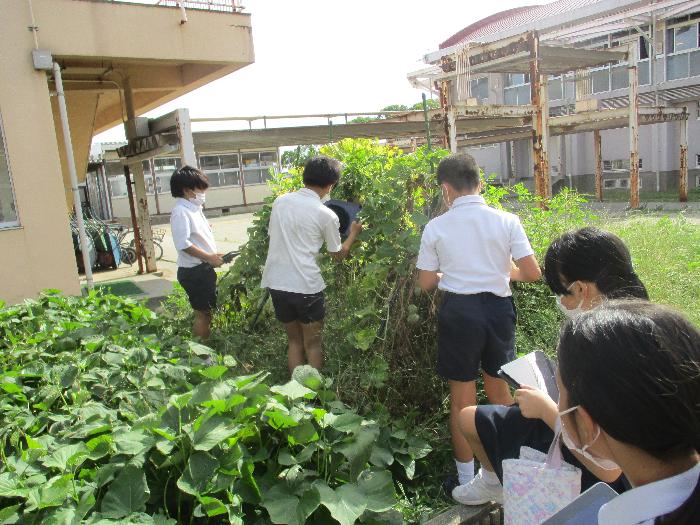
[{"x": 478, "y": 492}]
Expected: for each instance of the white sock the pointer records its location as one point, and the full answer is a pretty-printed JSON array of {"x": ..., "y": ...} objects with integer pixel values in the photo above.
[
  {"x": 465, "y": 471},
  {"x": 489, "y": 477}
]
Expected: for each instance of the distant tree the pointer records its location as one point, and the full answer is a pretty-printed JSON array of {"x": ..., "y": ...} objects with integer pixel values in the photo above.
[
  {"x": 432, "y": 104},
  {"x": 297, "y": 157}
]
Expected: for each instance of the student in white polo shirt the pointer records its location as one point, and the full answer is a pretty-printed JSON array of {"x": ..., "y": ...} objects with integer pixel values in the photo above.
[
  {"x": 468, "y": 252},
  {"x": 299, "y": 226},
  {"x": 196, "y": 249},
  {"x": 629, "y": 398}
]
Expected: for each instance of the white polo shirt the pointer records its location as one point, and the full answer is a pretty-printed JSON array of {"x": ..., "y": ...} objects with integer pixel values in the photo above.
[
  {"x": 190, "y": 227},
  {"x": 299, "y": 225},
  {"x": 472, "y": 245},
  {"x": 642, "y": 505}
]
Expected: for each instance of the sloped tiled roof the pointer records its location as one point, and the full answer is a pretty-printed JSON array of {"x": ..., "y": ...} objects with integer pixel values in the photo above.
[{"x": 521, "y": 17}]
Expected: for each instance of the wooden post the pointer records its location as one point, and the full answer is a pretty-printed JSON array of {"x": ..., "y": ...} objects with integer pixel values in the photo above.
[
  {"x": 683, "y": 171},
  {"x": 134, "y": 221},
  {"x": 540, "y": 132},
  {"x": 144, "y": 218},
  {"x": 452, "y": 129},
  {"x": 634, "y": 128},
  {"x": 598, "y": 150}
]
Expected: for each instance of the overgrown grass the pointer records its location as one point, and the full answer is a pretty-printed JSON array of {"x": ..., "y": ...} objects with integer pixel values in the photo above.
[
  {"x": 666, "y": 256},
  {"x": 647, "y": 196}
]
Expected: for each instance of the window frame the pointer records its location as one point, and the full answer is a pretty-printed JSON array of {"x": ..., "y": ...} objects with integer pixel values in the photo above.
[
  {"x": 684, "y": 52},
  {"x": 17, "y": 223}
]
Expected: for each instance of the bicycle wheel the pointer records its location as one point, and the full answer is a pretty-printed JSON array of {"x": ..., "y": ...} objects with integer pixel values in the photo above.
[
  {"x": 157, "y": 249},
  {"x": 128, "y": 255}
]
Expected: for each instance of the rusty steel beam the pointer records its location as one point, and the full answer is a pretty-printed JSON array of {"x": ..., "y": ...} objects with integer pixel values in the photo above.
[
  {"x": 444, "y": 100},
  {"x": 539, "y": 133},
  {"x": 597, "y": 148},
  {"x": 634, "y": 130},
  {"x": 683, "y": 171}
]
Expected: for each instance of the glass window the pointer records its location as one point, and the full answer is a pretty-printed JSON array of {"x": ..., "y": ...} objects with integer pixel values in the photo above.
[
  {"x": 600, "y": 80},
  {"x": 643, "y": 73},
  {"x": 697, "y": 160},
  {"x": 643, "y": 48},
  {"x": 607, "y": 165},
  {"x": 228, "y": 161},
  {"x": 480, "y": 88},
  {"x": 209, "y": 162},
  {"x": 609, "y": 183},
  {"x": 685, "y": 38},
  {"x": 163, "y": 183},
  {"x": 251, "y": 160},
  {"x": 168, "y": 164},
  {"x": 677, "y": 66},
  {"x": 694, "y": 59},
  {"x": 510, "y": 97},
  {"x": 253, "y": 176},
  {"x": 214, "y": 178},
  {"x": 117, "y": 186},
  {"x": 146, "y": 167},
  {"x": 8, "y": 210},
  {"x": 517, "y": 79},
  {"x": 230, "y": 178},
  {"x": 555, "y": 88},
  {"x": 624, "y": 183},
  {"x": 620, "y": 77},
  {"x": 114, "y": 168}
]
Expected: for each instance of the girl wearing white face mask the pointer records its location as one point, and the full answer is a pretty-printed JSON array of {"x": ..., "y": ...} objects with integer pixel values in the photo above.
[
  {"x": 629, "y": 381},
  {"x": 583, "y": 268}
]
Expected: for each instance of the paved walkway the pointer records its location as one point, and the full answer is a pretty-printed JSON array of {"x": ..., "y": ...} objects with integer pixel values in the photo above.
[{"x": 230, "y": 232}]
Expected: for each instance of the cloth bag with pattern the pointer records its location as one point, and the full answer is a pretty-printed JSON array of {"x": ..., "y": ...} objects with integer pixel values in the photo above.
[{"x": 538, "y": 485}]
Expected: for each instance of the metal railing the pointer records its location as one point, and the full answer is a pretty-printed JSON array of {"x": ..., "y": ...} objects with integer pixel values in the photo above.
[{"x": 222, "y": 6}]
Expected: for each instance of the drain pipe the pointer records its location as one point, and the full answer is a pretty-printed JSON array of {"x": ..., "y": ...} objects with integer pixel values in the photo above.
[{"x": 68, "y": 143}]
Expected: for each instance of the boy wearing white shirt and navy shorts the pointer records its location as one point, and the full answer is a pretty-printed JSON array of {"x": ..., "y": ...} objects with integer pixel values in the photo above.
[
  {"x": 196, "y": 249},
  {"x": 299, "y": 226},
  {"x": 469, "y": 253}
]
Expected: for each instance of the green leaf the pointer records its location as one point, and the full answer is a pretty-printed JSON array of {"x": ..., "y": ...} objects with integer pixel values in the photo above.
[
  {"x": 133, "y": 443},
  {"x": 127, "y": 494},
  {"x": 199, "y": 349},
  {"x": 10, "y": 485},
  {"x": 66, "y": 456},
  {"x": 308, "y": 376},
  {"x": 408, "y": 463},
  {"x": 213, "y": 431},
  {"x": 285, "y": 507},
  {"x": 214, "y": 372},
  {"x": 293, "y": 390},
  {"x": 212, "y": 506},
  {"x": 346, "y": 503},
  {"x": 346, "y": 422},
  {"x": 381, "y": 457},
  {"x": 199, "y": 474},
  {"x": 9, "y": 515},
  {"x": 378, "y": 488},
  {"x": 358, "y": 449}
]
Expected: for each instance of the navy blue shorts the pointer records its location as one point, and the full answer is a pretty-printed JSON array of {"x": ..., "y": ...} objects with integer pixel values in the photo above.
[
  {"x": 475, "y": 332},
  {"x": 302, "y": 307},
  {"x": 199, "y": 283},
  {"x": 503, "y": 430}
]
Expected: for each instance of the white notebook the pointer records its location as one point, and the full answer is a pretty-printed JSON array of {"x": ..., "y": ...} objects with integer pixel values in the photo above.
[{"x": 534, "y": 369}]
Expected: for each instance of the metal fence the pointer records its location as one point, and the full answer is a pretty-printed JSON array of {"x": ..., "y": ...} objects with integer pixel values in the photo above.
[{"x": 222, "y": 6}]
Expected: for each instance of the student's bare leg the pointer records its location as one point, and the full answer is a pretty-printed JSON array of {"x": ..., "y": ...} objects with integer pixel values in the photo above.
[
  {"x": 462, "y": 395},
  {"x": 313, "y": 343},
  {"x": 295, "y": 340},
  {"x": 201, "y": 327},
  {"x": 467, "y": 425},
  {"x": 497, "y": 390}
]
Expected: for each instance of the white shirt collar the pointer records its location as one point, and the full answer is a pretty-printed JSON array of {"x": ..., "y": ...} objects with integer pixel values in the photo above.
[
  {"x": 190, "y": 205},
  {"x": 468, "y": 199},
  {"x": 308, "y": 192},
  {"x": 643, "y": 504}
]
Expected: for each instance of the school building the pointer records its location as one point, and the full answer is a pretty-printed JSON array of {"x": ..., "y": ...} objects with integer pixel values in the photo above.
[
  {"x": 116, "y": 60},
  {"x": 666, "y": 38}
]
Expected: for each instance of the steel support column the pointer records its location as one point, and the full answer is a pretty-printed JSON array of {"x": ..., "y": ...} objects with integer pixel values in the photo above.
[
  {"x": 598, "y": 151},
  {"x": 143, "y": 217},
  {"x": 634, "y": 128},
  {"x": 683, "y": 171}
]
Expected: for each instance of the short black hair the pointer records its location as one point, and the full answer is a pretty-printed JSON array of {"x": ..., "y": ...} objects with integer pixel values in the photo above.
[
  {"x": 595, "y": 256},
  {"x": 187, "y": 178},
  {"x": 459, "y": 171},
  {"x": 321, "y": 171}
]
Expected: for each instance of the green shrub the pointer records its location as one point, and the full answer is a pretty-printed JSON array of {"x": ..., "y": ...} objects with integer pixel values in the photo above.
[{"x": 107, "y": 416}]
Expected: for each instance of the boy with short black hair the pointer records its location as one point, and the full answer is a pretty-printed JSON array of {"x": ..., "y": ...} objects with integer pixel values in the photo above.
[
  {"x": 299, "y": 225},
  {"x": 196, "y": 249},
  {"x": 473, "y": 246}
]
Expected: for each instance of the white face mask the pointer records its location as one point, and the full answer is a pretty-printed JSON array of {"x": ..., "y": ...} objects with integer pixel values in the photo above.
[
  {"x": 605, "y": 464},
  {"x": 198, "y": 199},
  {"x": 569, "y": 313}
]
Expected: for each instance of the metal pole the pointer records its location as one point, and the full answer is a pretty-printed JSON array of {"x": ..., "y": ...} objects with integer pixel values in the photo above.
[
  {"x": 427, "y": 130},
  {"x": 70, "y": 160},
  {"x": 134, "y": 222},
  {"x": 539, "y": 130},
  {"x": 154, "y": 180},
  {"x": 598, "y": 151},
  {"x": 452, "y": 128},
  {"x": 634, "y": 128},
  {"x": 653, "y": 74},
  {"x": 683, "y": 171}
]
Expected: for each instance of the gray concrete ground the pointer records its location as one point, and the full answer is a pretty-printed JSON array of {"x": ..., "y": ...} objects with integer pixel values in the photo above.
[{"x": 230, "y": 232}]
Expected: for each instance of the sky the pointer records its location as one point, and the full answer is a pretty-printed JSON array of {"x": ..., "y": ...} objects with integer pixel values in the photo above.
[{"x": 330, "y": 56}]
